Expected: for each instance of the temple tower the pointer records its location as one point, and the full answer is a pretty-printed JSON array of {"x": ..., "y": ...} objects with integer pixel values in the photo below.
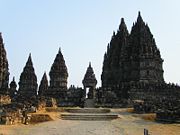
[
  {"x": 28, "y": 80},
  {"x": 90, "y": 82},
  {"x": 13, "y": 87},
  {"x": 145, "y": 57},
  {"x": 43, "y": 85},
  {"x": 4, "y": 70},
  {"x": 132, "y": 57},
  {"x": 115, "y": 57},
  {"x": 58, "y": 77}
]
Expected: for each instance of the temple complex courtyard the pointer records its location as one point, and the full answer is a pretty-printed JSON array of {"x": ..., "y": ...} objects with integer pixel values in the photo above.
[{"x": 127, "y": 124}]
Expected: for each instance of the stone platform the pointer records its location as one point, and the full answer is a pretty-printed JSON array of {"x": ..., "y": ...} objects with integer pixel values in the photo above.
[
  {"x": 88, "y": 110},
  {"x": 88, "y": 114}
]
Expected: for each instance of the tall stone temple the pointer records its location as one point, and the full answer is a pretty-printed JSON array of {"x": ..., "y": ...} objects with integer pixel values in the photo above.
[
  {"x": 4, "y": 70},
  {"x": 133, "y": 70},
  {"x": 28, "y": 80},
  {"x": 58, "y": 78},
  {"x": 43, "y": 85},
  {"x": 132, "y": 57}
]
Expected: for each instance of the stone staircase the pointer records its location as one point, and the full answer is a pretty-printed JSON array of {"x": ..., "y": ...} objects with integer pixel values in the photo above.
[{"x": 88, "y": 114}]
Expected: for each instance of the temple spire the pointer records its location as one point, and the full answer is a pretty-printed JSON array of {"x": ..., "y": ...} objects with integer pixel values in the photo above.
[
  {"x": 122, "y": 25},
  {"x": 59, "y": 50},
  {"x": 58, "y": 78},
  {"x": 29, "y": 61},
  {"x": 58, "y": 68},
  {"x": 123, "y": 31},
  {"x": 89, "y": 64},
  {"x": 89, "y": 78},
  {"x": 13, "y": 78},
  {"x": 43, "y": 85},
  {"x": 4, "y": 70},
  {"x": 139, "y": 19},
  {"x": 28, "y": 80},
  {"x": 13, "y": 87},
  {"x": 115, "y": 53}
]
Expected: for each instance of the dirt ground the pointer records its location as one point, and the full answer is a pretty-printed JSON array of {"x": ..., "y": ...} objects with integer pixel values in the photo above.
[{"x": 127, "y": 124}]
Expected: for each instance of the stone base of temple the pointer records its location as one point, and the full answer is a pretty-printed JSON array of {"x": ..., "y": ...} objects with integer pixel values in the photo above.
[
  {"x": 168, "y": 116},
  {"x": 168, "y": 120},
  {"x": 89, "y": 103}
]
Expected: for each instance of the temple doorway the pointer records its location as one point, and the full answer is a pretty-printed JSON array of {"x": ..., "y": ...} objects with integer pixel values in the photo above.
[{"x": 87, "y": 91}]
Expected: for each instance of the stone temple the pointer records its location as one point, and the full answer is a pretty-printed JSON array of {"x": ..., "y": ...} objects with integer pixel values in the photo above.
[
  {"x": 28, "y": 80},
  {"x": 132, "y": 76},
  {"x": 4, "y": 70},
  {"x": 132, "y": 57}
]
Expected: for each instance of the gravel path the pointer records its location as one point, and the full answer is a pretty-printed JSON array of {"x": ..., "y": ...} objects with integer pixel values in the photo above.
[{"x": 64, "y": 127}]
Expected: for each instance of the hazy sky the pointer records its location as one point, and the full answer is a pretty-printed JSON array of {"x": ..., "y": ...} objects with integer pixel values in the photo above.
[{"x": 83, "y": 28}]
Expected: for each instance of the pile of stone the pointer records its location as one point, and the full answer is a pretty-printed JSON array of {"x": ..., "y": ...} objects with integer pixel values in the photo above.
[
  {"x": 170, "y": 112},
  {"x": 5, "y": 99},
  {"x": 10, "y": 114}
]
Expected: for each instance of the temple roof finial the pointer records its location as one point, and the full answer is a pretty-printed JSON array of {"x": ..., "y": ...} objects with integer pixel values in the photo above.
[
  {"x": 89, "y": 64},
  {"x": 13, "y": 78},
  {"x": 29, "y": 61},
  {"x": 122, "y": 26},
  {"x": 122, "y": 20},
  {"x": 59, "y": 50},
  {"x": 139, "y": 19},
  {"x": 29, "y": 58}
]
